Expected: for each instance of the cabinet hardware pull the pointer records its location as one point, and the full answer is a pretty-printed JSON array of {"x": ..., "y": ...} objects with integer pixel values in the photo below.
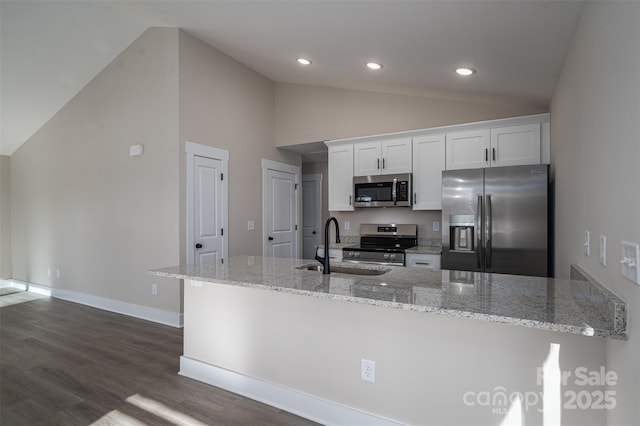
[
  {"x": 494, "y": 154},
  {"x": 486, "y": 155},
  {"x": 414, "y": 198},
  {"x": 378, "y": 164},
  {"x": 349, "y": 199},
  {"x": 383, "y": 163}
]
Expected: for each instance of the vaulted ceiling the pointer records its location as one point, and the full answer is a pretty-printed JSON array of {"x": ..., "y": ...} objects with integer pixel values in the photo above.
[{"x": 51, "y": 49}]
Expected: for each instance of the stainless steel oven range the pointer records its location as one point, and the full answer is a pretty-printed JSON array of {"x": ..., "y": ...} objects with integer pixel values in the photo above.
[{"x": 382, "y": 244}]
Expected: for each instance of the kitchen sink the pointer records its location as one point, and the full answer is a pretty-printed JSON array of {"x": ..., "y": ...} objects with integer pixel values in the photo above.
[{"x": 346, "y": 270}]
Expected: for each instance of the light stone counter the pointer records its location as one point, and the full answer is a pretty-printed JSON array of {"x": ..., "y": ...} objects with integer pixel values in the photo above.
[{"x": 566, "y": 306}]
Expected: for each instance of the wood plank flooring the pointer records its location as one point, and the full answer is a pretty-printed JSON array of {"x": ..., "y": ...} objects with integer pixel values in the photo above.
[{"x": 67, "y": 364}]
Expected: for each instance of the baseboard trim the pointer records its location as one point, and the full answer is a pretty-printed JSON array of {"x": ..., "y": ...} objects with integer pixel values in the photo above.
[
  {"x": 298, "y": 403},
  {"x": 160, "y": 316}
]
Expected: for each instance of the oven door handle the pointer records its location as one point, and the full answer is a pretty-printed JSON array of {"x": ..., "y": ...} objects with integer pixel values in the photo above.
[{"x": 393, "y": 191}]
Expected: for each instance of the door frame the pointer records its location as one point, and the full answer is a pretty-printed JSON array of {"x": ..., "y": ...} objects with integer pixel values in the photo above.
[
  {"x": 198, "y": 150},
  {"x": 317, "y": 178},
  {"x": 285, "y": 168}
]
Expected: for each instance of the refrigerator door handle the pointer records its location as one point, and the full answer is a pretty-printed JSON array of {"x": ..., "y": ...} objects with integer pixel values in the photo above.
[
  {"x": 488, "y": 248},
  {"x": 479, "y": 231}
]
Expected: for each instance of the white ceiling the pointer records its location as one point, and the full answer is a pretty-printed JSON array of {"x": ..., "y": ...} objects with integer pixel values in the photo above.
[{"x": 51, "y": 49}]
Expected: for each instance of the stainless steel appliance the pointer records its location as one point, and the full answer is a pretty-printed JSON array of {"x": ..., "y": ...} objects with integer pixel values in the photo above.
[
  {"x": 496, "y": 220},
  {"x": 382, "y": 190},
  {"x": 382, "y": 244}
]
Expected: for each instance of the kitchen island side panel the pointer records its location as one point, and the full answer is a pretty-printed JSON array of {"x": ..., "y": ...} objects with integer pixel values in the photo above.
[{"x": 430, "y": 369}]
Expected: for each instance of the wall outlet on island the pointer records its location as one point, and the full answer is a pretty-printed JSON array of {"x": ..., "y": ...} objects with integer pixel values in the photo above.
[
  {"x": 154, "y": 289},
  {"x": 347, "y": 225},
  {"x": 368, "y": 370}
]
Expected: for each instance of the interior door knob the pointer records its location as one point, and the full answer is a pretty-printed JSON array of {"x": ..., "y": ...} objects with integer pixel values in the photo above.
[
  {"x": 270, "y": 238},
  {"x": 314, "y": 232},
  {"x": 198, "y": 246}
]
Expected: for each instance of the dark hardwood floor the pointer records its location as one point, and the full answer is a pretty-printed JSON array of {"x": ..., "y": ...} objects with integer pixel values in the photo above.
[{"x": 69, "y": 364}]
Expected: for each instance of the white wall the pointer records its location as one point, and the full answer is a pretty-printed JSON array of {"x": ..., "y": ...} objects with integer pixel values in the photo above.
[
  {"x": 425, "y": 363},
  {"x": 596, "y": 152},
  {"x": 311, "y": 113},
  {"x": 80, "y": 204},
  {"x": 5, "y": 218},
  {"x": 226, "y": 105}
]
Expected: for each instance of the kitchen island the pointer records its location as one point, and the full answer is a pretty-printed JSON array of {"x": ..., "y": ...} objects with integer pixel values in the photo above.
[{"x": 277, "y": 332}]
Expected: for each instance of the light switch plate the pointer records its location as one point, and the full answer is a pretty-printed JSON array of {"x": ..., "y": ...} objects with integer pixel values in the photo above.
[
  {"x": 436, "y": 225},
  {"x": 347, "y": 225},
  {"x": 251, "y": 225},
  {"x": 587, "y": 243},
  {"x": 603, "y": 250},
  {"x": 630, "y": 262}
]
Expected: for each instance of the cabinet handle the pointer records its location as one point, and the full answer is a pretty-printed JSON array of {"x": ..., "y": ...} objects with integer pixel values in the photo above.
[
  {"x": 486, "y": 155},
  {"x": 349, "y": 199},
  {"x": 414, "y": 198},
  {"x": 383, "y": 163},
  {"x": 378, "y": 164},
  {"x": 423, "y": 263},
  {"x": 493, "y": 153}
]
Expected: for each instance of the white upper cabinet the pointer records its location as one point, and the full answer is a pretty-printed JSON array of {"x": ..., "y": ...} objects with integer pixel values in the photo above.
[
  {"x": 495, "y": 147},
  {"x": 515, "y": 145},
  {"x": 388, "y": 156},
  {"x": 428, "y": 164},
  {"x": 341, "y": 177},
  {"x": 467, "y": 149},
  {"x": 366, "y": 157}
]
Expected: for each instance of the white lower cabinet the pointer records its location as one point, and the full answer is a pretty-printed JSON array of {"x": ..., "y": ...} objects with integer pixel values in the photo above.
[
  {"x": 428, "y": 164},
  {"x": 419, "y": 260},
  {"x": 334, "y": 254}
]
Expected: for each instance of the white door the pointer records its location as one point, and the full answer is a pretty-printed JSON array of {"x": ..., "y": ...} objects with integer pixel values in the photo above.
[
  {"x": 311, "y": 214},
  {"x": 208, "y": 210},
  {"x": 280, "y": 214}
]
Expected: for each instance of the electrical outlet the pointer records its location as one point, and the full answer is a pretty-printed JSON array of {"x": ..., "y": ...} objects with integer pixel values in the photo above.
[
  {"x": 347, "y": 225},
  {"x": 368, "y": 370},
  {"x": 630, "y": 263},
  {"x": 154, "y": 289},
  {"x": 586, "y": 243},
  {"x": 251, "y": 225},
  {"x": 58, "y": 273},
  {"x": 436, "y": 225},
  {"x": 48, "y": 272},
  {"x": 603, "y": 250}
]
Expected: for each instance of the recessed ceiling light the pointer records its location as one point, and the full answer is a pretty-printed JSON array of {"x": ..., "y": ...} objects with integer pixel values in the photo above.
[
  {"x": 374, "y": 65},
  {"x": 464, "y": 71},
  {"x": 304, "y": 61}
]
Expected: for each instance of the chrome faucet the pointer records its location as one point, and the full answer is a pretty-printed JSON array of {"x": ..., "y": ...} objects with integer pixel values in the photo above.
[{"x": 325, "y": 261}]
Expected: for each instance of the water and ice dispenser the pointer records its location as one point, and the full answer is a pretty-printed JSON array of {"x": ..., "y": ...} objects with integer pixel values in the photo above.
[{"x": 461, "y": 232}]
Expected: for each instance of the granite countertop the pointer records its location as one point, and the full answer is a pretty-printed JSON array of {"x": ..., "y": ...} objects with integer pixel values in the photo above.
[{"x": 571, "y": 306}]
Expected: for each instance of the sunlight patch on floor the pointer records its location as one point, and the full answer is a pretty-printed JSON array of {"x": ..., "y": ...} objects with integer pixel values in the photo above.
[{"x": 160, "y": 410}]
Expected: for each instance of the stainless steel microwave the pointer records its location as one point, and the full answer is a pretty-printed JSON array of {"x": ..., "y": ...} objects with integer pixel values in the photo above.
[{"x": 382, "y": 190}]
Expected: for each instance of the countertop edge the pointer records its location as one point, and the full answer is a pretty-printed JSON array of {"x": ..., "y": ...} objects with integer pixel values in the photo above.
[{"x": 539, "y": 325}]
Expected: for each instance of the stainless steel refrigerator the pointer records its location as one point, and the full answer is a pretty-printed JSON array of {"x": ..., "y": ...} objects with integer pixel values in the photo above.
[{"x": 496, "y": 220}]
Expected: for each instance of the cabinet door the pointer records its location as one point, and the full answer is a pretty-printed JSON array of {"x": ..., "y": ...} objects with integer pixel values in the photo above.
[
  {"x": 341, "y": 178},
  {"x": 367, "y": 158},
  {"x": 396, "y": 156},
  {"x": 515, "y": 145},
  {"x": 428, "y": 164},
  {"x": 467, "y": 149},
  {"x": 427, "y": 261}
]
